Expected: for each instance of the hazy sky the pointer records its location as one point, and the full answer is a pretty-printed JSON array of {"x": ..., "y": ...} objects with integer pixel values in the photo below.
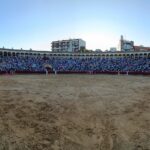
[{"x": 36, "y": 23}]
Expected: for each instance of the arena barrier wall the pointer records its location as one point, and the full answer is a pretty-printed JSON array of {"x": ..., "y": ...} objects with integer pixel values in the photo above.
[{"x": 79, "y": 72}]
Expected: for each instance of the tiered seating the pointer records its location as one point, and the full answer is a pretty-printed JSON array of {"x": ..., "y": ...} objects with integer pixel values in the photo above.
[{"x": 36, "y": 64}]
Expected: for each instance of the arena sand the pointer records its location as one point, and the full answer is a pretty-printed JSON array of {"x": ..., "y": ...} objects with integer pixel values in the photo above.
[{"x": 74, "y": 112}]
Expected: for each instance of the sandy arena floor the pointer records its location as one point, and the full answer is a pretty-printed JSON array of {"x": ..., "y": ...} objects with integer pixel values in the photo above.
[{"x": 74, "y": 112}]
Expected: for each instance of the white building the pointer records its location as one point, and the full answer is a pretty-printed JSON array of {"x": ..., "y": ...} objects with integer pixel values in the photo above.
[
  {"x": 98, "y": 50},
  {"x": 126, "y": 45},
  {"x": 71, "y": 45},
  {"x": 113, "y": 49}
]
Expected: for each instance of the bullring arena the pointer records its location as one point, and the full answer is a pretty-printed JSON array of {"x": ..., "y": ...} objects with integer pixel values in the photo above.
[{"x": 75, "y": 111}]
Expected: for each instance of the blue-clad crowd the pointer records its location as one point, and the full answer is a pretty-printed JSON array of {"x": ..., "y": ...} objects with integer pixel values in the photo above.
[{"x": 34, "y": 64}]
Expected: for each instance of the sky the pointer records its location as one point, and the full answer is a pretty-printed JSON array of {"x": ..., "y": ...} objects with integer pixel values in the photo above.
[{"x": 36, "y": 23}]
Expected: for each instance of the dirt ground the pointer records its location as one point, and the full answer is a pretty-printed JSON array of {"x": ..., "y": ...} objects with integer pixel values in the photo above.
[{"x": 74, "y": 112}]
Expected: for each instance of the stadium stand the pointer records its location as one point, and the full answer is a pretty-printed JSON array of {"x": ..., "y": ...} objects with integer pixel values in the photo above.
[{"x": 32, "y": 64}]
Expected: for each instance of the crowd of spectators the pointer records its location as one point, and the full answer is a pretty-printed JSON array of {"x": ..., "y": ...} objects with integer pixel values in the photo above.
[{"x": 36, "y": 64}]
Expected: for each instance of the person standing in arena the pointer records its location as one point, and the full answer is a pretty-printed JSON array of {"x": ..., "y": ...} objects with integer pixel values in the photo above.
[
  {"x": 46, "y": 71},
  {"x": 55, "y": 71}
]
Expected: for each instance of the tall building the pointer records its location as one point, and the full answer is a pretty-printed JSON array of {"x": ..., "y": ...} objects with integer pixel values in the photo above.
[
  {"x": 126, "y": 45},
  {"x": 71, "y": 45}
]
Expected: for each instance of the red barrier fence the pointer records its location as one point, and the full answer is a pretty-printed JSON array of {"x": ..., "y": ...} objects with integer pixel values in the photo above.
[{"x": 80, "y": 72}]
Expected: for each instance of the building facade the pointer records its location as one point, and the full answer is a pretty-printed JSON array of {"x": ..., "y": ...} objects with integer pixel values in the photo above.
[
  {"x": 28, "y": 53},
  {"x": 141, "y": 48},
  {"x": 71, "y": 45},
  {"x": 126, "y": 45},
  {"x": 113, "y": 49}
]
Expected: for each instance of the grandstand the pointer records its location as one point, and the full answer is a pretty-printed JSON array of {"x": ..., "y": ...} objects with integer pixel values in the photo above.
[{"x": 24, "y": 61}]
